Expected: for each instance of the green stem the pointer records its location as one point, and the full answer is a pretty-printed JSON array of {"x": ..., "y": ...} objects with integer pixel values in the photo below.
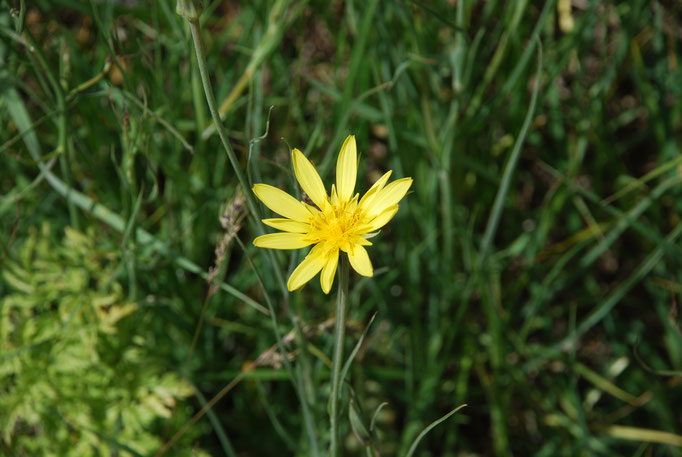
[
  {"x": 62, "y": 149},
  {"x": 339, "y": 331},
  {"x": 188, "y": 10},
  {"x": 254, "y": 212},
  {"x": 210, "y": 100},
  {"x": 295, "y": 377},
  {"x": 510, "y": 167}
]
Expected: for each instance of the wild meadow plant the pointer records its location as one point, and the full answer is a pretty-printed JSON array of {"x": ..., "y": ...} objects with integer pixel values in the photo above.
[
  {"x": 334, "y": 223},
  {"x": 532, "y": 271},
  {"x": 340, "y": 222}
]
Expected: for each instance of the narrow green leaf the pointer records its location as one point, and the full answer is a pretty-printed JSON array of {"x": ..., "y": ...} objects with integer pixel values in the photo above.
[{"x": 430, "y": 427}]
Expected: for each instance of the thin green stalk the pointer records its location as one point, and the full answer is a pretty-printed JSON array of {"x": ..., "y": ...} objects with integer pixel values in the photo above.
[
  {"x": 199, "y": 110},
  {"x": 498, "y": 416},
  {"x": 197, "y": 331},
  {"x": 307, "y": 417},
  {"x": 90, "y": 82},
  {"x": 62, "y": 150},
  {"x": 509, "y": 169},
  {"x": 187, "y": 9},
  {"x": 446, "y": 147},
  {"x": 210, "y": 100},
  {"x": 217, "y": 426},
  {"x": 21, "y": 20},
  {"x": 430, "y": 427},
  {"x": 295, "y": 378},
  {"x": 339, "y": 331}
]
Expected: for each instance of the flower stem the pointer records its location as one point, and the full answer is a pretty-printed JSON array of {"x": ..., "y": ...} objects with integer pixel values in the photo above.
[{"x": 339, "y": 331}]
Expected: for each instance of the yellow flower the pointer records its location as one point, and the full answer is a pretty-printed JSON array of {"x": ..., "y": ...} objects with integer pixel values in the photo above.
[{"x": 340, "y": 222}]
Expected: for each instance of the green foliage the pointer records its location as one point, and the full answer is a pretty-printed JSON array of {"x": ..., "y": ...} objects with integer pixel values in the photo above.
[
  {"x": 534, "y": 272},
  {"x": 75, "y": 371}
]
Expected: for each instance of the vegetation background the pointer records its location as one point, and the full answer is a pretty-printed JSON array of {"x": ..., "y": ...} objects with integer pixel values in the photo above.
[{"x": 533, "y": 273}]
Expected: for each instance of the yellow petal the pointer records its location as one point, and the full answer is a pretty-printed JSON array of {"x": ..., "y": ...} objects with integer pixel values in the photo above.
[
  {"x": 362, "y": 241},
  {"x": 309, "y": 179},
  {"x": 353, "y": 203},
  {"x": 281, "y": 203},
  {"x": 327, "y": 276},
  {"x": 347, "y": 169},
  {"x": 382, "y": 219},
  {"x": 314, "y": 211},
  {"x": 374, "y": 190},
  {"x": 334, "y": 198},
  {"x": 388, "y": 196},
  {"x": 282, "y": 241},
  {"x": 311, "y": 265},
  {"x": 359, "y": 260},
  {"x": 287, "y": 225}
]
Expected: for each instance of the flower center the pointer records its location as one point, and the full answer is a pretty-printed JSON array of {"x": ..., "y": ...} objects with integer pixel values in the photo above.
[{"x": 337, "y": 226}]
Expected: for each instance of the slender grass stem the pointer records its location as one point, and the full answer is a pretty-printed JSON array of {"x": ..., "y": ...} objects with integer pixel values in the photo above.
[
  {"x": 254, "y": 213},
  {"x": 210, "y": 100},
  {"x": 62, "y": 148},
  {"x": 295, "y": 377},
  {"x": 188, "y": 10},
  {"x": 339, "y": 331},
  {"x": 496, "y": 212}
]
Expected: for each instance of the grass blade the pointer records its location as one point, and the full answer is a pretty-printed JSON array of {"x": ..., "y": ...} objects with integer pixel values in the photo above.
[
  {"x": 496, "y": 212},
  {"x": 346, "y": 366},
  {"x": 217, "y": 426},
  {"x": 430, "y": 427},
  {"x": 617, "y": 295}
]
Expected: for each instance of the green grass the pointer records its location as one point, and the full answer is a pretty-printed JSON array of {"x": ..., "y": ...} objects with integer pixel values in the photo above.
[{"x": 533, "y": 272}]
